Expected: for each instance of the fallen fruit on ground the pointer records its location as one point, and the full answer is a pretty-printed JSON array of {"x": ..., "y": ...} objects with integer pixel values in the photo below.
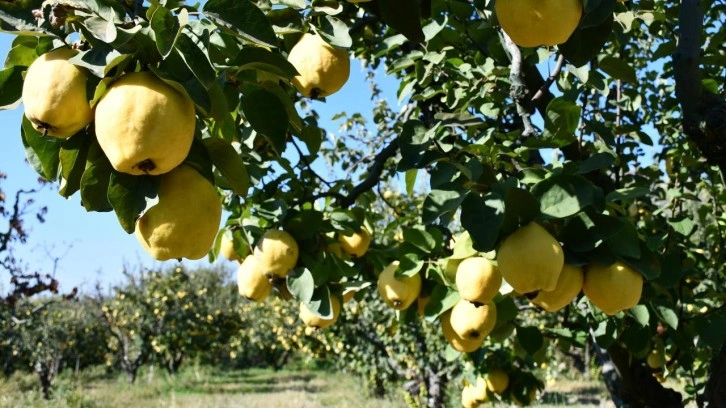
[
  {"x": 144, "y": 125},
  {"x": 568, "y": 286},
  {"x": 497, "y": 380},
  {"x": 398, "y": 293},
  {"x": 531, "y": 23},
  {"x": 54, "y": 94},
  {"x": 356, "y": 244},
  {"x": 251, "y": 282},
  {"x": 459, "y": 343},
  {"x": 323, "y": 68},
  {"x": 185, "y": 221},
  {"x": 471, "y": 321},
  {"x": 276, "y": 252},
  {"x": 530, "y": 259},
  {"x": 612, "y": 288},
  {"x": 477, "y": 280},
  {"x": 312, "y": 319}
]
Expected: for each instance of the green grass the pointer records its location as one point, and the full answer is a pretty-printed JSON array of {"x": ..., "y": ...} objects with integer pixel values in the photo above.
[
  {"x": 204, "y": 388},
  {"x": 207, "y": 387}
]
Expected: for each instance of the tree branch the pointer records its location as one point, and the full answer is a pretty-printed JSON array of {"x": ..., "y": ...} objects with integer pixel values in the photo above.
[
  {"x": 702, "y": 112},
  {"x": 374, "y": 174}
]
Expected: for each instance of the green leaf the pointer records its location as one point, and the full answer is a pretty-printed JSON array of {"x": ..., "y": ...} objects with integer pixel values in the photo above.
[
  {"x": 305, "y": 224},
  {"x": 229, "y": 163},
  {"x": 166, "y": 28},
  {"x": 408, "y": 23},
  {"x": 442, "y": 298},
  {"x": 242, "y": 18},
  {"x": 100, "y": 60},
  {"x": 563, "y": 195},
  {"x": 95, "y": 180},
  {"x": 627, "y": 193},
  {"x": 521, "y": 207},
  {"x": 41, "y": 152},
  {"x": 301, "y": 284},
  {"x": 647, "y": 264},
  {"x": 606, "y": 333},
  {"x": 596, "y": 11},
  {"x": 640, "y": 314},
  {"x": 625, "y": 242},
  {"x": 267, "y": 115},
  {"x": 129, "y": 196},
  {"x": 682, "y": 225},
  {"x": 507, "y": 309},
  {"x": 414, "y": 141},
  {"x": 73, "y": 156},
  {"x": 438, "y": 202},
  {"x": 411, "y": 180},
  {"x": 666, "y": 314},
  {"x": 11, "y": 87},
  {"x": 193, "y": 51},
  {"x": 530, "y": 338},
  {"x": 595, "y": 162},
  {"x": 463, "y": 246},
  {"x": 561, "y": 122},
  {"x": 619, "y": 69},
  {"x": 711, "y": 330},
  {"x": 320, "y": 302},
  {"x": 409, "y": 265},
  {"x": 420, "y": 239},
  {"x": 585, "y": 43},
  {"x": 264, "y": 60},
  {"x": 335, "y": 32},
  {"x": 588, "y": 230},
  {"x": 482, "y": 217},
  {"x": 17, "y": 17}
]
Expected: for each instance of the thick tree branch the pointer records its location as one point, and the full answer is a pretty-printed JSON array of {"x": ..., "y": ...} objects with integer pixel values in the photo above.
[
  {"x": 374, "y": 174},
  {"x": 702, "y": 112},
  {"x": 519, "y": 91}
]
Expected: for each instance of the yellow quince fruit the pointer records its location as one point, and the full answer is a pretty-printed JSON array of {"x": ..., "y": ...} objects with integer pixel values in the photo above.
[
  {"x": 226, "y": 247},
  {"x": 276, "y": 252},
  {"x": 612, "y": 288},
  {"x": 530, "y": 259},
  {"x": 497, "y": 380},
  {"x": 54, "y": 94},
  {"x": 312, "y": 319},
  {"x": 568, "y": 286},
  {"x": 251, "y": 282},
  {"x": 144, "y": 125},
  {"x": 323, "y": 68},
  {"x": 355, "y": 245},
  {"x": 185, "y": 221},
  {"x": 477, "y": 280},
  {"x": 459, "y": 343},
  {"x": 531, "y": 23},
  {"x": 471, "y": 321},
  {"x": 398, "y": 293},
  {"x": 473, "y": 395},
  {"x": 655, "y": 359}
]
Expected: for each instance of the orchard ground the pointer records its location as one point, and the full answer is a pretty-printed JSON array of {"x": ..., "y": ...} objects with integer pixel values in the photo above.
[{"x": 206, "y": 386}]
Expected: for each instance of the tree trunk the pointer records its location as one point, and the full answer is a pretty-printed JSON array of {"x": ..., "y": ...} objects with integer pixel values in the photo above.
[
  {"x": 715, "y": 393},
  {"x": 436, "y": 384},
  {"x": 638, "y": 387}
]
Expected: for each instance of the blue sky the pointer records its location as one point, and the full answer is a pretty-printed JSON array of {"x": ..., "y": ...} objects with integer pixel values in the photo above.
[{"x": 92, "y": 245}]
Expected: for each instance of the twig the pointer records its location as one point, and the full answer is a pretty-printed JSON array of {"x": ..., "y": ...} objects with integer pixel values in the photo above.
[
  {"x": 550, "y": 79},
  {"x": 304, "y": 159}
]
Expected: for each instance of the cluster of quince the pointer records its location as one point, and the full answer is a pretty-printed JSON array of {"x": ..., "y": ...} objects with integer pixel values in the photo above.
[
  {"x": 144, "y": 126},
  {"x": 272, "y": 259}
]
